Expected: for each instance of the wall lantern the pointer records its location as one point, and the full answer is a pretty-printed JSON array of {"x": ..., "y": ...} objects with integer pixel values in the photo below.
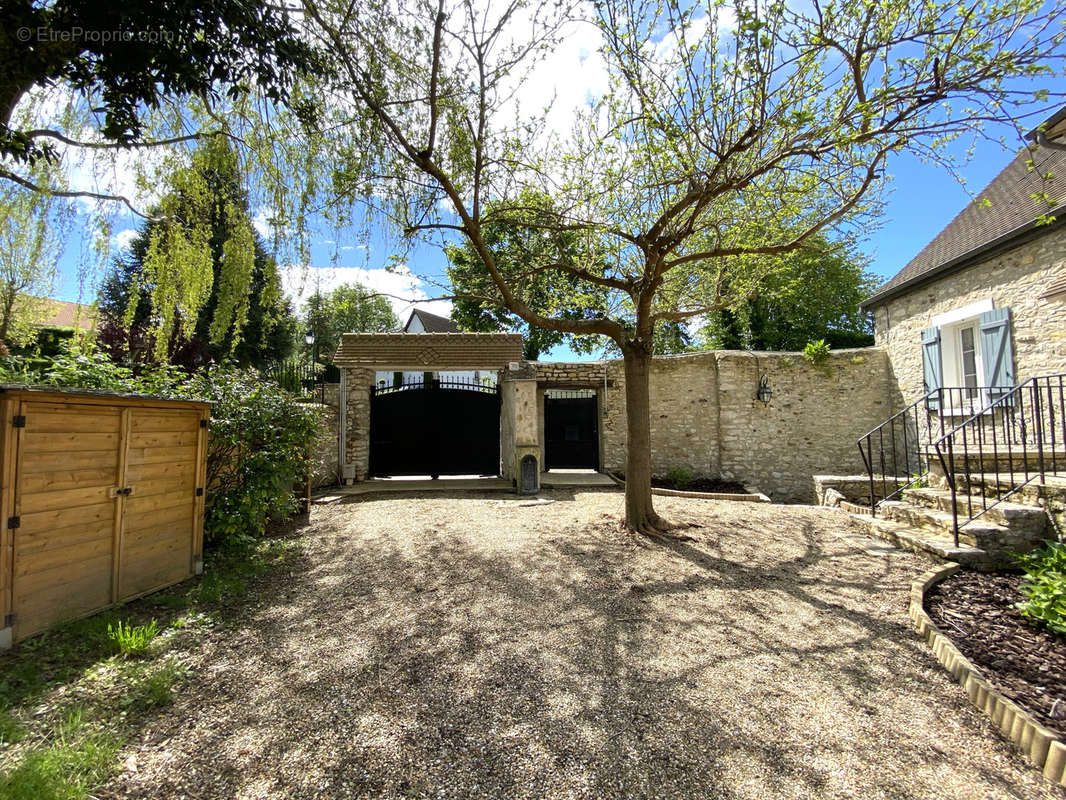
[{"x": 765, "y": 393}]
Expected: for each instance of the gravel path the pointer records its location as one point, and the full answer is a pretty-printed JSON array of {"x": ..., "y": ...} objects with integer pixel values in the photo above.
[{"x": 471, "y": 646}]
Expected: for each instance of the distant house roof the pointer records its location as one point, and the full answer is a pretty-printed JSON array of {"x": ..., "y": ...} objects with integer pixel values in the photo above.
[
  {"x": 1008, "y": 217},
  {"x": 431, "y": 322},
  {"x": 63, "y": 314}
]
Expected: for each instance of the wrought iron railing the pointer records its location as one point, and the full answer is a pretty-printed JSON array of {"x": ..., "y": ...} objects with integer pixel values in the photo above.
[
  {"x": 896, "y": 454},
  {"x": 1016, "y": 438},
  {"x": 301, "y": 376},
  {"x": 484, "y": 384}
]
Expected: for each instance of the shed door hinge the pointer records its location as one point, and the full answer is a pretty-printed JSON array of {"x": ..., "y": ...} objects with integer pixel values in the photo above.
[
  {"x": 203, "y": 423},
  {"x": 18, "y": 421},
  {"x": 14, "y": 522},
  {"x": 9, "y": 620},
  {"x": 199, "y": 491}
]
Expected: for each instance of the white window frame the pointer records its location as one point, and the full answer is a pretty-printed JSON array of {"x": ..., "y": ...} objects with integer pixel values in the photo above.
[{"x": 951, "y": 324}]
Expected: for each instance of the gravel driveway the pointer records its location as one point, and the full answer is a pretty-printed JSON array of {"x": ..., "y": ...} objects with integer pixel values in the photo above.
[{"x": 471, "y": 646}]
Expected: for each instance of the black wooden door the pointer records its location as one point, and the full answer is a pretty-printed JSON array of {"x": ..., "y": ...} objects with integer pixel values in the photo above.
[
  {"x": 571, "y": 434},
  {"x": 435, "y": 428}
]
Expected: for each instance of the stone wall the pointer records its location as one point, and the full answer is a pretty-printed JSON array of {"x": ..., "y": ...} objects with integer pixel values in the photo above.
[
  {"x": 326, "y": 456},
  {"x": 1016, "y": 279},
  {"x": 705, "y": 416}
]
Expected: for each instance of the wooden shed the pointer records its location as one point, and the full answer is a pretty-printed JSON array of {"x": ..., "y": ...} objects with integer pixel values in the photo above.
[{"x": 101, "y": 501}]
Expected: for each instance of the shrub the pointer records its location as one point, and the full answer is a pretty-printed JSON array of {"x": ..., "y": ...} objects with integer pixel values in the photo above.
[
  {"x": 260, "y": 437},
  {"x": 816, "y": 352},
  {"x": 1045, "y": 586},
  {"x": 680, "y": 477},
  {"x": 132, "y": 640},
  {"x": 259, "y": 448}
]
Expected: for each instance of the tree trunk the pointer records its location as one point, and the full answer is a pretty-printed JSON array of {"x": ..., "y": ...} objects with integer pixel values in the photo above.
[{"x": 640, "y": 515}]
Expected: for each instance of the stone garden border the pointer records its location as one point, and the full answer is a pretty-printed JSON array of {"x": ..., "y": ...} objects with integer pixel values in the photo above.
[
  {"x": 752, "y": 495},
  {"x": 1044, "y": 749}
]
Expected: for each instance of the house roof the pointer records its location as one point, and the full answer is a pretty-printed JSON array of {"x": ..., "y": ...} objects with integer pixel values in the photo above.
[
  {"x": 431, "y": 322},
  {"x": 1010, "y": 214},
  {"x": 63, "y": 314}
]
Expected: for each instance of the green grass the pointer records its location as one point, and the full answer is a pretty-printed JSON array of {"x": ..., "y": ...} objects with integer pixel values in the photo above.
[
  {"x": 119, "y": 665},
  {"x": 78, "y": 757}
]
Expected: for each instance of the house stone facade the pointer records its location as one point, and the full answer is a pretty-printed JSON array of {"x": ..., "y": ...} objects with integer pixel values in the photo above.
[{"x": 1018, "y": 278}]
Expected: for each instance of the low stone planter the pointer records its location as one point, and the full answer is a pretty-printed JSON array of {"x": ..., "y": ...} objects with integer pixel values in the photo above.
[
  {"x": 1041, "y": 746},
  {"x": 751, "y": 495}
]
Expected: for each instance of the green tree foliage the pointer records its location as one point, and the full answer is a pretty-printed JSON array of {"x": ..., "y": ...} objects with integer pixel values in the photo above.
[
  {"x": 349, "y": 308},
  {"x": 200, "y": 274},
  {"x": 33, "y": 229},
  {"x": 121, "y": 59},
  {"x": 478, "y": 305},
  {"x": 728, "y": 133},
  {"x": 810, "y": 294}
]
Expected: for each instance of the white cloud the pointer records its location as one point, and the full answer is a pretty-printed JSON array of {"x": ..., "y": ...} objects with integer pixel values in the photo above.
[
  {"x": 124, "y": 238},
  {"x": 403, "y": 289}
]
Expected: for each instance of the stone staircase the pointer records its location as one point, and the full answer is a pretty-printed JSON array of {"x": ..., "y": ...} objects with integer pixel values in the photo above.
[{"x": 922, "y": 522}]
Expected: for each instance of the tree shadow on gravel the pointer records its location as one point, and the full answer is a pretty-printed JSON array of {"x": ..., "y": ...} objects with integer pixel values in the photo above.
[{"x": 431, "y": 662}]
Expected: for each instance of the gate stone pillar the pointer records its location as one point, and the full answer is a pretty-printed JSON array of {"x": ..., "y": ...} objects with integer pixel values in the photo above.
[
  {"x": 518, "y": 420},
  {"x": 356, "y": 423}
]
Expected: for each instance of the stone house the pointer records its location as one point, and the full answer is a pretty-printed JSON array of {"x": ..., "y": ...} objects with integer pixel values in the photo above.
[{"x": 982, "y": 307}]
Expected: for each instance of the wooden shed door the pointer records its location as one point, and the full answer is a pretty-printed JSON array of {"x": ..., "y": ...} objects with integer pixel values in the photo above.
[
  {"x": 67, "y": 472},
  {"x": 159, "y": 519}
]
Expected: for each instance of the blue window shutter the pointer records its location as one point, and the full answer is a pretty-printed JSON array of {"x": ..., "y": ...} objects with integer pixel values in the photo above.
[
  {"x": 932, "y": 369},
  {"x": 997, "y": 351}
]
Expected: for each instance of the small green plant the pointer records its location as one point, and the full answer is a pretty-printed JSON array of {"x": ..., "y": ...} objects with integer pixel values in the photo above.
[
  {"x": 1045, "y": 586},
  {"x": 11, "y": 729},
  {"x": 816, "y": 352},
  {"x": 132, "y": 640},
  {"x": 155, "y": 687},
  {"x": 680, "y": 477}
]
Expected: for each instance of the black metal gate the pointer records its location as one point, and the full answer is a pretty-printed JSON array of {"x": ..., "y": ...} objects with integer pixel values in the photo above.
[
  {"x": 435, "y": 428},
  {"x": 571, "y": 433}
]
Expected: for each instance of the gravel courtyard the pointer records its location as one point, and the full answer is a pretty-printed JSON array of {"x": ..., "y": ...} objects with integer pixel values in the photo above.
[{"x": 471, "y": 646}]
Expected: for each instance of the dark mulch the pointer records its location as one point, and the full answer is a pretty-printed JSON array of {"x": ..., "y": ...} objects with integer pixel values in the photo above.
[
  {"x": 1025, "y": 662},
  {"x": 701, "y": 485}
]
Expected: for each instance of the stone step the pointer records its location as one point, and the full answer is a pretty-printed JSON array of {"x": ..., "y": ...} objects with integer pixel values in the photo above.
[
  {"x": 979, "y": 533},
  {"x": 1020, "y": 518},
  {"x": 1032, "y": 494},
  {"x": 926, "y": 542}
]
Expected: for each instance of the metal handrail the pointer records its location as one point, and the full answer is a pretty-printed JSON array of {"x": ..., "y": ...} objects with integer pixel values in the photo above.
[
  {"x": 1029, "y": 421},
  {"x": 906, "y": 425}
]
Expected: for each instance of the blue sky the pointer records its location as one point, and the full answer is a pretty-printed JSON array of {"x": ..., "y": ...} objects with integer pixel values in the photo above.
[{"x": 922, "y": 198}]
